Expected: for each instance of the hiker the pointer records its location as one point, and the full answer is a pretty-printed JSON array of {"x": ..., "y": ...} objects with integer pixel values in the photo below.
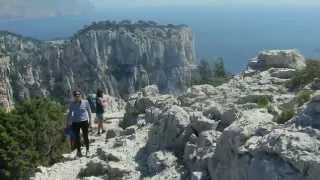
[
  {"x": 79, "y": 117},
  {"x": 100, "y": 105}
]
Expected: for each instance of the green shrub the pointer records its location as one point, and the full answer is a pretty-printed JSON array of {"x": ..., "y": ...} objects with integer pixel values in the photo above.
[
  {"x": 303, "y": 96},
  {"x": 304, "y": 76},
  {"x": 285, "y": 116},
  {"x": 31, "y": 134},
  {"x": 263, "y": 102},
  {"x": 211, "y": 72}
]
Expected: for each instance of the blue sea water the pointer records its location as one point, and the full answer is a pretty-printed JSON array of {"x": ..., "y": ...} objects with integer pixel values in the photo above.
[{"x": 236, "y": 34}]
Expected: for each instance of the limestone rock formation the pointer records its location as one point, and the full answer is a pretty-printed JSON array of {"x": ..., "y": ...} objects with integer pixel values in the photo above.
[
  {"x": 279, "y": 59},
  {"x": 118, "y": 58},
  {"x": 310, "y": 115},
  {"x": 171, "y": 132},
  {"x": 6, "y": 94},
  {"x": 158, "y": 161},
  {"x": 140, "y": 102}
]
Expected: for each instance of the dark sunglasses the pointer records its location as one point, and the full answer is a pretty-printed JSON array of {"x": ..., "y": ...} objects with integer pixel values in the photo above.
[{"x": 77, "y": 95}]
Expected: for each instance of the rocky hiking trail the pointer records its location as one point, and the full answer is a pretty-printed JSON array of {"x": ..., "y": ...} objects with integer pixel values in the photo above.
[{"x": 108, "y": 153}]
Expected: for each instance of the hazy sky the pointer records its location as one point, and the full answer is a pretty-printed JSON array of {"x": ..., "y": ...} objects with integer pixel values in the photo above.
[{"x": 101, "y": 3}]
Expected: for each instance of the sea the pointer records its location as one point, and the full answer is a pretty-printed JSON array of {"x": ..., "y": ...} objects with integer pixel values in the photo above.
[{"x": 234, "y": 33}]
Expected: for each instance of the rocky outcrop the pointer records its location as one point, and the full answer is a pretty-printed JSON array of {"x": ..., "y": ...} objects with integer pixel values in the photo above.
[
  {"x": 6, "y": 94},
  {"x": 144, "y": 101},
  {"x": 310, "y": 116},
  {"x": 316, "y": 84},
  {"x": 159, "y": 161},
  {"x": 117, "y": 58},
  {"x": 197, "y": 152},
  {"x": 278, "y": 59},
  {"x": 256, "y": 148},
  {"x": 171, "y": 131}
]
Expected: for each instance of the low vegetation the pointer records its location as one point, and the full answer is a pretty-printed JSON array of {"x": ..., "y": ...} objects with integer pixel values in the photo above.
[
  {"x": 31, "y": 134},
  {"x": 126, "y": 24},
  {"x": 263, "y": 102},
  {"x": 211, "y": 72},
  {"x": 285, "y": 116},
  {"x": 305, "y": 76},
  {"x": 303, "y": 96}
]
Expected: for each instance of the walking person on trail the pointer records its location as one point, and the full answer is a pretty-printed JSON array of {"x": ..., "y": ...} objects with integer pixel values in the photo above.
[
  {"x": 79, "y": 117},
  {"x": 100, "y": 106}
]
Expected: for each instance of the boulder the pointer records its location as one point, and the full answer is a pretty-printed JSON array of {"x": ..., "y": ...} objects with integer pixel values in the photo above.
[
  {"x": 94, "y": 167},
  {"x": 213, "y": 111},
  {"x": 114, "y": 132},
  {"x": 200, "y": 123},
  {"x": 282, "y": 73},
  {"x": 152, "y": 115},
  {"x": 108, "y": 156},
  {"x": 119, "y": 142},
  {"x": 129, "y": 131},
  {"x": 197, "y": 93},
  {"x": 139, "y": 105},
  {"x": 225, "y": 115},
  {"x": 141, "y": 121},
  {"x": 151, "y": 90},
  {"x": 117, "y": 170},
  {"x": 311, "y": 115},
  {"x": 160, "y": 160},
  {"x": 230, "y": 115},
  {"x": 197, "y": 152},
  {"x": 172, "y": 131}
]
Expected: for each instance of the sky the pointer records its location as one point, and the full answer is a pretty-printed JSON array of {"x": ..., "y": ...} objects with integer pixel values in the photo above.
[
  {"x": 43, "y": 8},
  {"x": 106, "y": 3}
]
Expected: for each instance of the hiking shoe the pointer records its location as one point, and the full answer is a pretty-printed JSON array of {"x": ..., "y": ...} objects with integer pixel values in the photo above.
[
  {"x": 79, "y": 154},
  {"x": 103, "y": 131}
]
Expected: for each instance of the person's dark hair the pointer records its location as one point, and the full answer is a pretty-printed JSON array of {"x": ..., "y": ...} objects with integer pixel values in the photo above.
[
  {"x": 76, "y": 93},
  {"x": 99, "y": 93}
]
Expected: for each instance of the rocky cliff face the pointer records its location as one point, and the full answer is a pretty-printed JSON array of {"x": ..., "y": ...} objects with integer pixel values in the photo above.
[{"x": 115, "y": 57}]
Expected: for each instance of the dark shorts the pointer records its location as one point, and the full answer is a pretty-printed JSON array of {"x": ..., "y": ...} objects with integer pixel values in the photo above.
[{"x": 99, "y": 117}]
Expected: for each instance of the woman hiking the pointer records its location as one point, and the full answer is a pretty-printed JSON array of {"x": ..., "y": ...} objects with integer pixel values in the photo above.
[
  {"x": 100, "y": 105},
  {"x": 79, "y": 117}
]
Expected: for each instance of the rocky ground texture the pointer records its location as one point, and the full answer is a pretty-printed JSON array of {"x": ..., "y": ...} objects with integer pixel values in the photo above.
[{"x": 227, "y": 132}]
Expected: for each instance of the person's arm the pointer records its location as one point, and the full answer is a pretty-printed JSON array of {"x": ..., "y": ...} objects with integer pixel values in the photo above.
[
  {"x": 68, "y": 120},
  {"x": 89, "y": 113}
]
